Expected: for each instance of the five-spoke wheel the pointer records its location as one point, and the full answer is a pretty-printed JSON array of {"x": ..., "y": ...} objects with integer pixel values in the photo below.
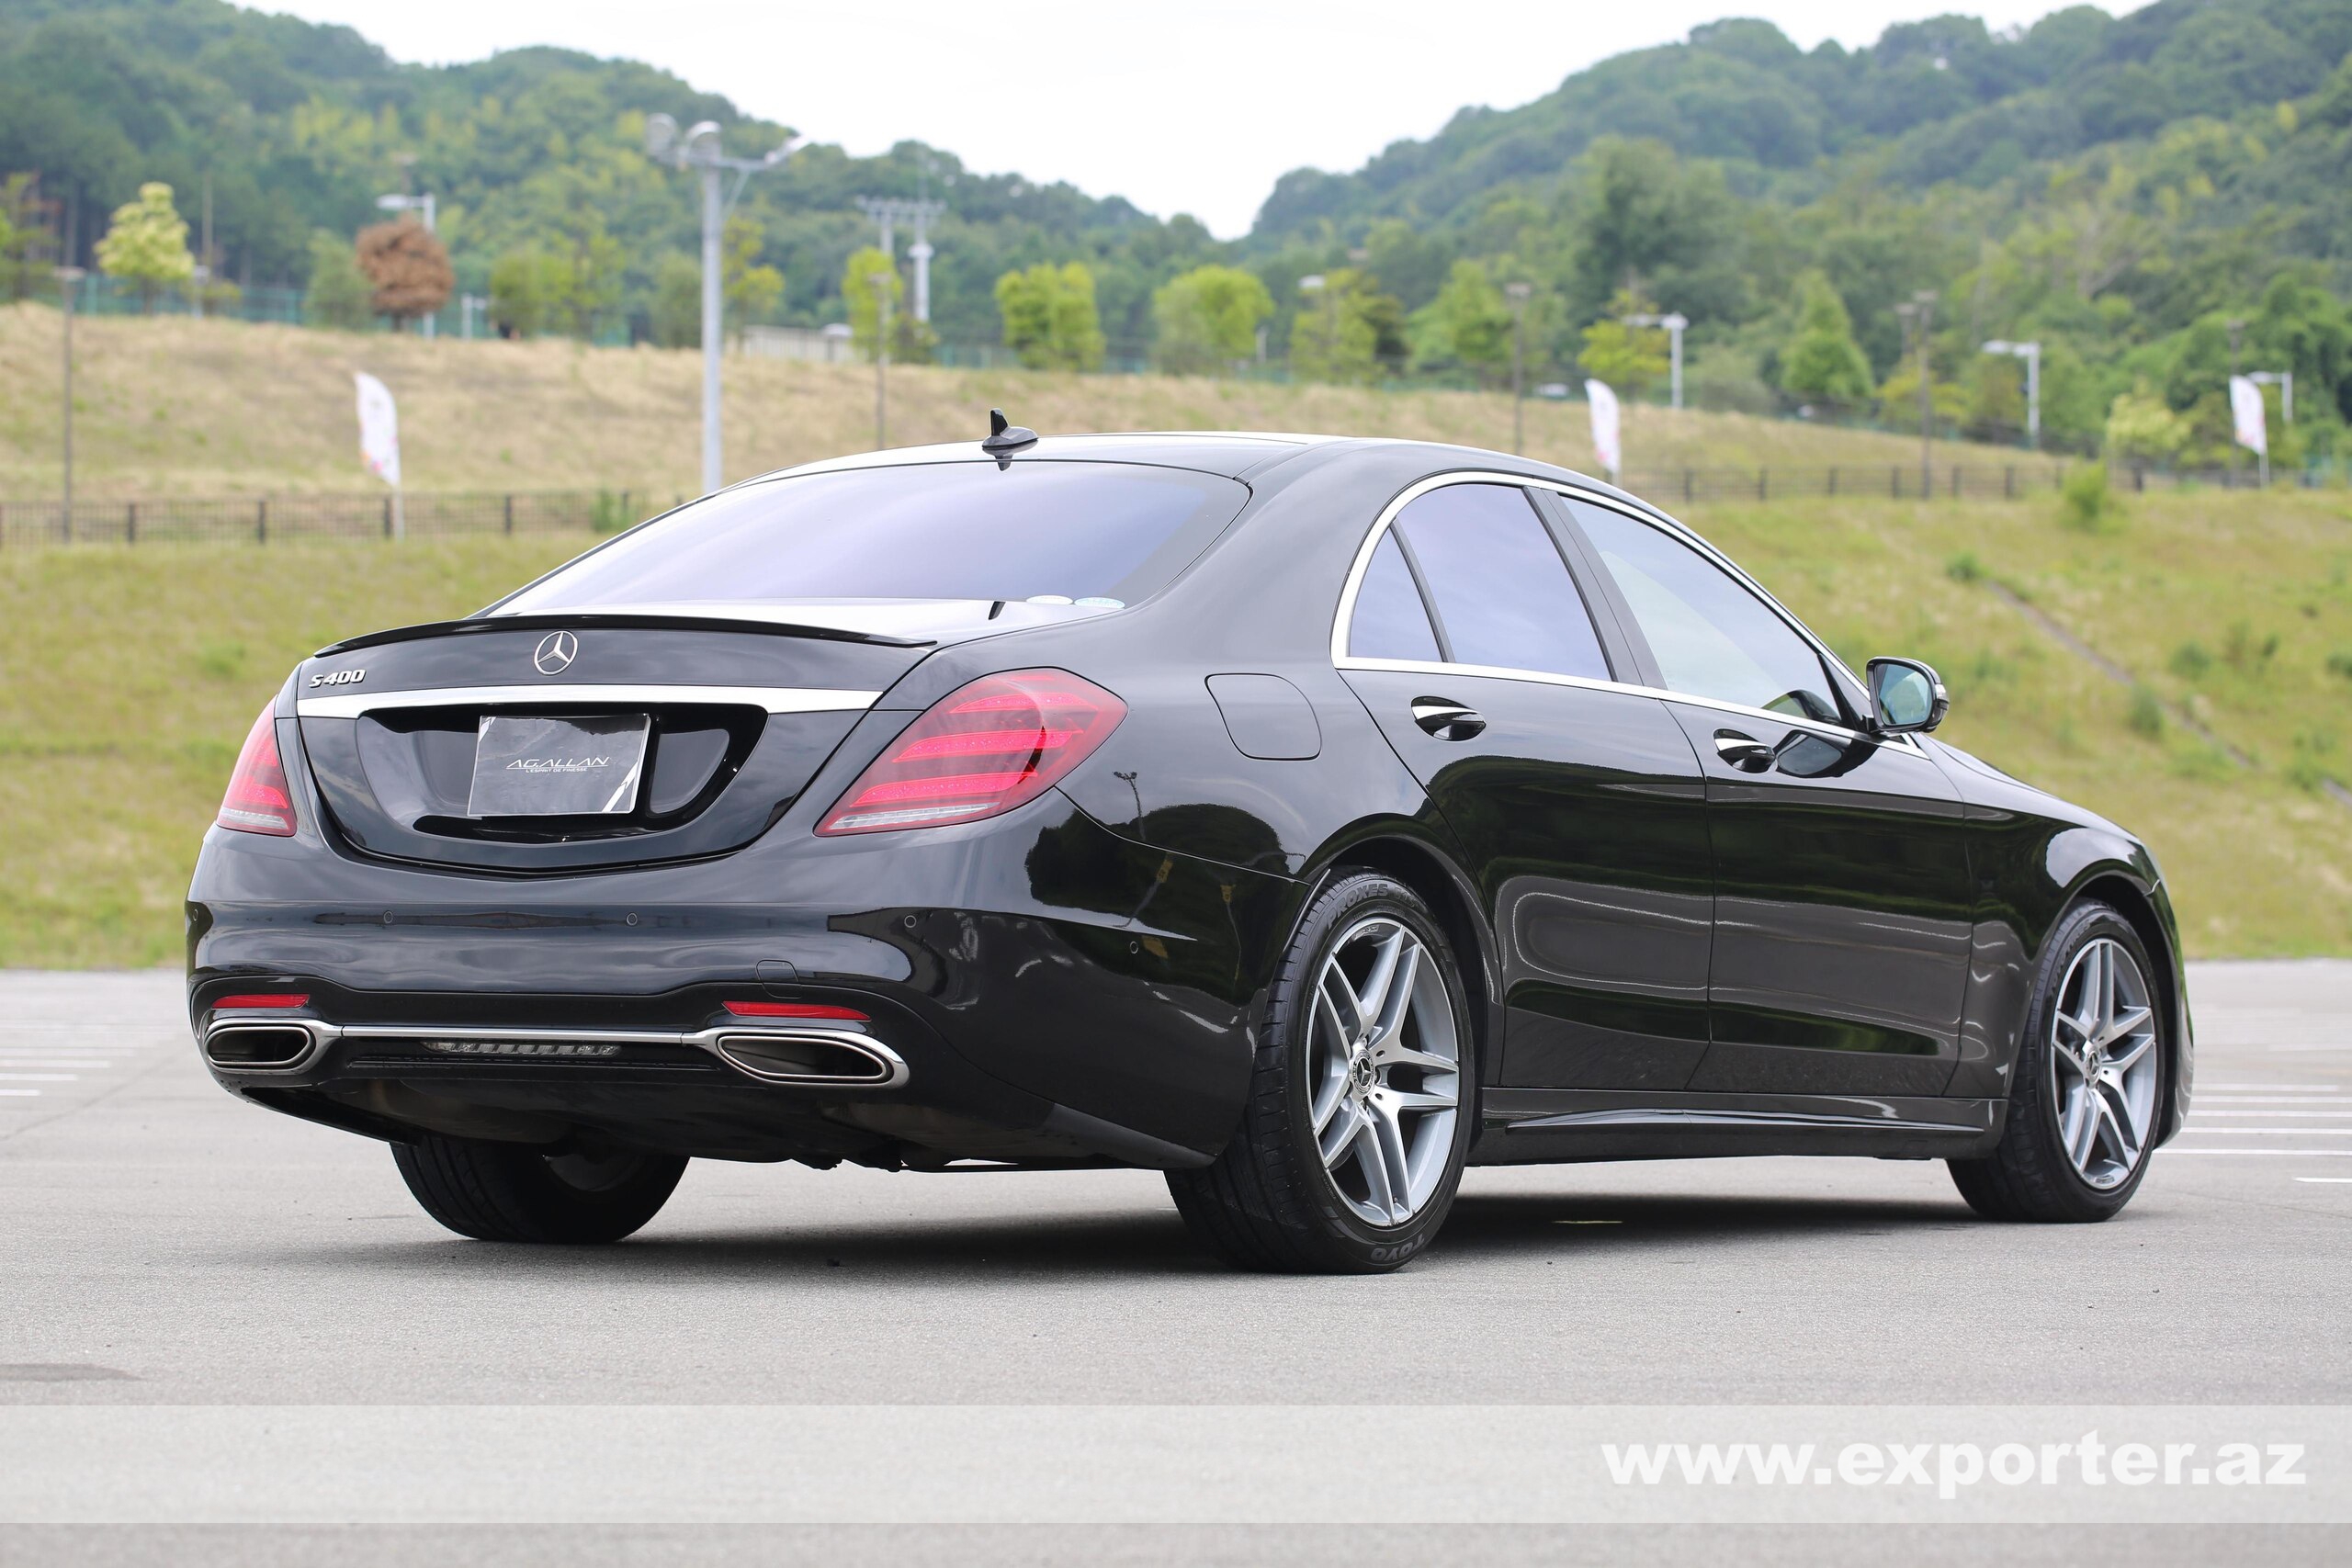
[
  {"x": 1384, "y": 1063},
  {"x": 1363, "y": 1096}
]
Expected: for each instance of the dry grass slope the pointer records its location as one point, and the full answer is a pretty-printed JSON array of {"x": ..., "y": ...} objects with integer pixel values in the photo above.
[{"x": 175, "y": 407}]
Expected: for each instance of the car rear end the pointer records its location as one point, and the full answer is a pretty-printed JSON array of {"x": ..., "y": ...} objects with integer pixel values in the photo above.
[{"x": 691, "y": 848}]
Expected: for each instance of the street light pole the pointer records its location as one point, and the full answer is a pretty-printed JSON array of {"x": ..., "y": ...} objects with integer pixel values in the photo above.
[
  {"x": 1518, "y": 294},
  {"x": 1673, "y": 321},
  {"x": 699, "y": 149},
  {"x": 1918, "y": 319},
  {"x": 69, "y": 278},
  {"x": 881, "y": 282},
  {"x": 2032, "y": 353}
]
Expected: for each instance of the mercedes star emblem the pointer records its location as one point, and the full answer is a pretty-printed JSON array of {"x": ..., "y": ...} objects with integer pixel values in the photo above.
[{"x": 554, "y": 653}]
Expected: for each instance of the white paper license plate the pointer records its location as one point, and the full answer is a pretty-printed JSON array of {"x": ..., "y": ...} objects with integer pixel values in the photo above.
[{"x": 558, "y": 767}]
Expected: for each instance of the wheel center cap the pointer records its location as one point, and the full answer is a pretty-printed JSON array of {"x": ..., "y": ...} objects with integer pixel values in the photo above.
[{"x": 1360, "y": 1071}]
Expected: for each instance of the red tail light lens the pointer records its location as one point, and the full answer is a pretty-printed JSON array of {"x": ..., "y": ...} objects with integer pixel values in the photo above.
[
  {"x": 796, "y": 1009},
  {"x": 263, "y": 999},
  {"x": 258, "y": 800},
  {"x": 998, "y": 743}
]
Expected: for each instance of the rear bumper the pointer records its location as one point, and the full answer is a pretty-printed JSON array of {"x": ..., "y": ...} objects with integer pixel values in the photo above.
[{"x": 1037, "y": 988}]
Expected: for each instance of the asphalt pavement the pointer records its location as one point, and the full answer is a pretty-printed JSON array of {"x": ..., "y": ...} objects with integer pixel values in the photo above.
[{"x": 226, "y": 1335}]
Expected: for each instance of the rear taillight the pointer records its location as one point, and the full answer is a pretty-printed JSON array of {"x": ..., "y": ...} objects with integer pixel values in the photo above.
[
  {"x": 262, "y": 999},
  {"x": 796, "y": 1009},
  {"x": 998, "y": 743},
  {"x": 258, "y": 800}
]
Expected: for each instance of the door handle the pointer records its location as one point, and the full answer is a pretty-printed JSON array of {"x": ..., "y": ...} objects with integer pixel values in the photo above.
[
  {"x": 1447, "y": 721},
  {"x": 1745, "y": 752}
]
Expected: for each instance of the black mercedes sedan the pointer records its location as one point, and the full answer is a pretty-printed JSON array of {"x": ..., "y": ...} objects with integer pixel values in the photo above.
[{"x": 1305, "y": 818}]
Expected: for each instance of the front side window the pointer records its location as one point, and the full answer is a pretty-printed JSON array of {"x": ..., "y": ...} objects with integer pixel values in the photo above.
[
  {"x": 1106, "y": 533},
  {"x": 1501, "y": 593},
  {"x": 1710, "y": 635}
]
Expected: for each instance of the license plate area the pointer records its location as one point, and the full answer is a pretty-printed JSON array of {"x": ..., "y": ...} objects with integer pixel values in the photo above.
[{"x": 577, "y": 765}]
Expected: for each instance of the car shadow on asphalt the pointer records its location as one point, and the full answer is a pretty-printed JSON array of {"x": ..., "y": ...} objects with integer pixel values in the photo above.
[{"x": 1125, "y": 1241}]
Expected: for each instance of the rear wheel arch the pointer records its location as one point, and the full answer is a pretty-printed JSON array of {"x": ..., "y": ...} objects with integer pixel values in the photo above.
[{"x": 1453, "y": 900}]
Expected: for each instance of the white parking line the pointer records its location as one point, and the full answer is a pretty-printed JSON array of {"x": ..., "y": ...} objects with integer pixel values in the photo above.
[
  {"x": 2277, "y": 1132},
  {"x": 42, "y": 1062},
  {"x": 2311, "y": 1153},
  {"x": 2330, "y": 1181},
  {"x": 2267, "y": 1087},
  {"x": 2201, "y": 1112},
  {"x": 22, "y": 1093},
  {"x": 2275, "y": 1100},
  {"x": 40, "y": 1077}
]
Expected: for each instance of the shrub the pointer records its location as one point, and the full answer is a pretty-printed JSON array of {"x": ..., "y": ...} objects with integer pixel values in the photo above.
[
  {"x": 610, "y": 512},
  {"x": 2085, "y": 502},
  {"x": 1965, "y": 568},
  {"x": 2147, "y": 713},
  {"x": 2307, "y": 768},
  {"x": 2190, "y": 661},
  {"x": 2340, "y": 662}
]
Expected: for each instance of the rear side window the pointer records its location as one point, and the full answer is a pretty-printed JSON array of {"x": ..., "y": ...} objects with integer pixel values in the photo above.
[
  {"x": 1502, "y": 595},
  {"x": 1110, "y": 532},
  {"x": 1390, "y": 621},
  {"x": 1711, "y": 637}
]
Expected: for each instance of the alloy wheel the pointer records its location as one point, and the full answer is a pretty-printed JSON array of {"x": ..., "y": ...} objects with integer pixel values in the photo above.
[
  {"x": 2103, "y": 1063},
  {"x": 1384, "y": 1069}
]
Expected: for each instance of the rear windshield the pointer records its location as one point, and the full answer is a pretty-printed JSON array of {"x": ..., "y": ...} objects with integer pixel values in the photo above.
[{"x": 1084, "y": 533}]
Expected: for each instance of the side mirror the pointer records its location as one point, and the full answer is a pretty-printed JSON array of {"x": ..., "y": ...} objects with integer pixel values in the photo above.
[{"x": 1906, "y": 697}]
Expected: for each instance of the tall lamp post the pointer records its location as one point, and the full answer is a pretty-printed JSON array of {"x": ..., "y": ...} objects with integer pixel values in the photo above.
[
  {"x": 888, "y": 211},
  {"x": 1918, "y": 314},
  {"x": 699, "y": 149},
  {"x": 69, "y": 279},
  {"x": 401, "y": 201},
  {"x": 1518, "y": 294},
  {"x": 1673, "y": 321},
  {"x": 2032, "y": 353},
  {"x": 881, "y": 282}
]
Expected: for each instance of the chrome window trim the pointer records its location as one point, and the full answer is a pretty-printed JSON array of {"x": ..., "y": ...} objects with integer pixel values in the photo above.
[
  {"x": 1341, "y": 622},
  {"x": 774, "y": 699}
]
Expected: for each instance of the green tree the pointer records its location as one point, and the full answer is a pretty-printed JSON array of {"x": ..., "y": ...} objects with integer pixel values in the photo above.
[
  {"x": 1468, "y": 324},
  {"x": 2142, "y": 429},
  {"x": 1207, "y": 319},
  {"x": 1050, "y": 318},
  {"x": 1629, "y": 358},
  {"x": 339, "y": 292},
  {"x": 677, "y": 312},
  {"x": 25, "y": 244},
  {"x": 528, "y": 292},
  {"x": 865, "y": 296},
  {"x": 750, "y": 291},
  {"x": 1823, "y": 361},
  {"x": 146, "y": 245},
  {"x": 1344, "y": 331}
]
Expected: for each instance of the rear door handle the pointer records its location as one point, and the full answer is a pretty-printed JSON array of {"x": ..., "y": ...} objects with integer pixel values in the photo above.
[
  {"x": 1447, "y": 721},
  {"x": 1745, "y": 752}
]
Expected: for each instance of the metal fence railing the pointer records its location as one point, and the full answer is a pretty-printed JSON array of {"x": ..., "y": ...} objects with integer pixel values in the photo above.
[{"x": 275, "y": 519}]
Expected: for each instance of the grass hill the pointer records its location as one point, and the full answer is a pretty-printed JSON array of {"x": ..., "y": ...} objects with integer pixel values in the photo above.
[
  {"x": 2235, "y": 610},
  {"x": 179, "y": 407}
]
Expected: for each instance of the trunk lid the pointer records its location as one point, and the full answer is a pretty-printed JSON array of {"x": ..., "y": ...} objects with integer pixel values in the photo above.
[{"x": 740, "y": 714}]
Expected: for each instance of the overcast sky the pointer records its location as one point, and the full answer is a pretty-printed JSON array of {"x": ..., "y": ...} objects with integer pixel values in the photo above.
[{"x": 1197, "y": 115}]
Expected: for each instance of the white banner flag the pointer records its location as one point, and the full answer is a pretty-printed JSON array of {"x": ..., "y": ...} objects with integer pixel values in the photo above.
[
  {"x": 1604, "y": 427},
  {"x": 380, "y": 430},
  {"x": 2246, "y": 413}
]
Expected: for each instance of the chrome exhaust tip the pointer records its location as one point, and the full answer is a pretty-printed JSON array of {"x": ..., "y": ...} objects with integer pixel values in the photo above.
[
  {"x": 242, "y": 1045},
  {"x": 836, "y": 1058}
]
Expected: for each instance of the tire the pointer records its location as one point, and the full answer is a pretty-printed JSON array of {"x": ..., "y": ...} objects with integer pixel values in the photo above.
[
  {"x": 495, "y": 1191},
  {"x": 1271, "y": 1200},
  {"x": 2034, "y": 1174}
]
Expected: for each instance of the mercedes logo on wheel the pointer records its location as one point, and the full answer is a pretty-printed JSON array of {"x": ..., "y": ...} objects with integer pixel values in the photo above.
[{"x": 554, "y": 653}]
